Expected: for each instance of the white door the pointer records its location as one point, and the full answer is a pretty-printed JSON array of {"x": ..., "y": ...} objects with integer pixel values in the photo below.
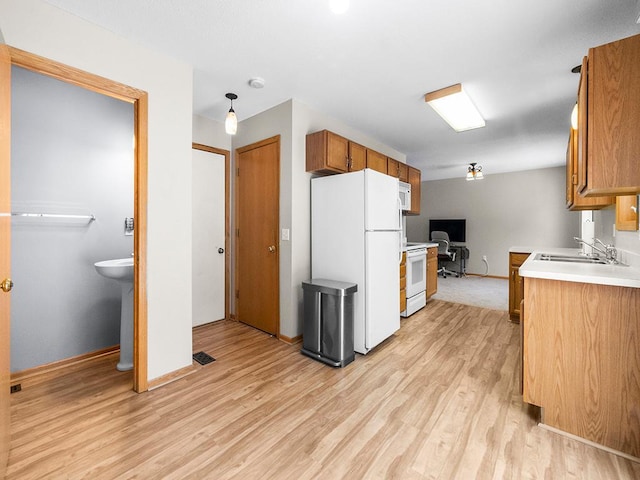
[{"x": 208, "y": 231}]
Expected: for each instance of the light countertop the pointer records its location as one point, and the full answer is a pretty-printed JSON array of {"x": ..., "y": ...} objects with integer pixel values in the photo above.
[
  {"x": 418, "y": 245},
  {"x": 616, "y": 275}
]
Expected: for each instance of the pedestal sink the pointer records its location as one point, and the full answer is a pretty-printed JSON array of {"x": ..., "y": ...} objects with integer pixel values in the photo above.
[{"x": 121, "y": 269}]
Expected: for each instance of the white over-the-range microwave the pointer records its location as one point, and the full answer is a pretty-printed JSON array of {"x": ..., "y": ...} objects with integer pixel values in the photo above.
[{"x": 405, "y": 195}]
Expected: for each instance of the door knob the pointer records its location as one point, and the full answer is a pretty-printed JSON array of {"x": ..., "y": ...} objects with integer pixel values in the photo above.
[
  {"x": 272, "y": 248},
  {"x": 221, "y": 250},
  {"x": 6, "y": 285}
]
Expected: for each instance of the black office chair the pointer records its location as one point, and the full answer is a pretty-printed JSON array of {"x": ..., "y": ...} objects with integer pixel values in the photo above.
[{"x": 444, "y": 254}]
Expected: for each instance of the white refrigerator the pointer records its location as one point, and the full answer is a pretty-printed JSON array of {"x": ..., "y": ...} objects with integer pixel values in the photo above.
[{"x": 356, "y": 236}]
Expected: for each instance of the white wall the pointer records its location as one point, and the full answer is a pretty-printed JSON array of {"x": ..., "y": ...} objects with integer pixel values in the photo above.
[
  {"x": 293, "y": 120},
  {"x": 210, "y": 133},
  {"x": 503, "y": 210},
  {"x": 71, "y": 153},
  {"x": 37, "y": 27}
]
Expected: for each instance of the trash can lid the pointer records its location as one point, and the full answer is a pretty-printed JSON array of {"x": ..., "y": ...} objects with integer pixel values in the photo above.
[{"x": 330, "y": 287}]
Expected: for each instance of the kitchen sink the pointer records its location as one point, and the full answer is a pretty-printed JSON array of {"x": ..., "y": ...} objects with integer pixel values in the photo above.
[{"x": 547, "y": 257}]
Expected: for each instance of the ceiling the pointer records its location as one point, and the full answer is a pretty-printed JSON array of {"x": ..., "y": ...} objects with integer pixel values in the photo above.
[{"x": 371, "y": 66}]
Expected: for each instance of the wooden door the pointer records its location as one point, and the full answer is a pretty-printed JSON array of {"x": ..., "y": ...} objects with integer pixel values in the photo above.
[
  {"x": 210, "y": 252},
  {"x": 5, "y": 252},
  {"x": 257, "y": 224}
]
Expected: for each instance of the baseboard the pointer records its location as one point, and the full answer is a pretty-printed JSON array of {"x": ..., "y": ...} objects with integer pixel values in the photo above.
[
  {"x": 487, "y": 276},
  {"x": 290, "y": 340},
  {"x": 30, "y": 373},
  {"x": 172, "y": 376},
  {"x": 589, "y": 442}
]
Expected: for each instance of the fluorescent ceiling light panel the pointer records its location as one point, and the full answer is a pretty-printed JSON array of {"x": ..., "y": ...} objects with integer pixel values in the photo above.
[{"x": 455, "y": 107}]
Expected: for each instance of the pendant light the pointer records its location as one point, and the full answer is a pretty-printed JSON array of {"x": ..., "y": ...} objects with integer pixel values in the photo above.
[
  {"x": 474, "y": 173},
  {"x": 231, "y": 122}
]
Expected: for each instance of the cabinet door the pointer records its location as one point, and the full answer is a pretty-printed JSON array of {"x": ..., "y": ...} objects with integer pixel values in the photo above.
[
  {"x": 403, "y": 283},
  {"x": 326, "y": 152},
  {"x": 414, "y": 180},
  {"x": 627, "y": 213},
  {"x": 432, "y": 271},
  {"x": 575, "y": 201},
  {"x": 393, "y": 167},
  {"x": 337, "y": 152},
  {"x": 403, "y": 172},
  {"x": 581, "y": 175},
  {"x": 613, "y": 116},
  {"x": 357, "y": 157},
  {"x": 516, "y": 291},
  {"x": 376, "y": 161}
]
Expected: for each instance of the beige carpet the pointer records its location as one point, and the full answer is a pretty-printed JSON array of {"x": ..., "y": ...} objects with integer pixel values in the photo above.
[{"x": 482, "y": 292}]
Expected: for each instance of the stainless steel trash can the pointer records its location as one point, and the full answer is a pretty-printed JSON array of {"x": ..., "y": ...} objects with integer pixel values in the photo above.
[{"x": 327, "y": 334}]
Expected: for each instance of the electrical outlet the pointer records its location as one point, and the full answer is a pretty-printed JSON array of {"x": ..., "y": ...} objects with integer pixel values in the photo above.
[
  {"x": 16, "y": 388},
  {"x": 285, "y": 234}
]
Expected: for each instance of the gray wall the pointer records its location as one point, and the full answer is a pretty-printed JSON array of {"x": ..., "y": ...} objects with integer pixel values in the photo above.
[
  {"x": 503, "y": 210},
  {"x": 72, "y": 152}
]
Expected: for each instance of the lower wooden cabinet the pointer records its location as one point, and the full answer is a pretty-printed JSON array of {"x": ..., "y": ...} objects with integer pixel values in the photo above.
[
  {"x": 516, "y": 289},
  {"x": 403, "y": 283},
  {"x": 432, "y": 271},
  {"x": 581, "y": 362}
]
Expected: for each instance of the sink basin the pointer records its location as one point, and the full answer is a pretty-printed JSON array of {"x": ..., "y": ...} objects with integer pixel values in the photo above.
[
  {"x": 118, "y": 269},
  {"x": 121, "y": 270},
  {"x": 547, "y": 257}
]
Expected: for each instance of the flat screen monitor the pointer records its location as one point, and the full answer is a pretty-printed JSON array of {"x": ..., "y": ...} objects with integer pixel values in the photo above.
[{"x": 455, "y": 228}]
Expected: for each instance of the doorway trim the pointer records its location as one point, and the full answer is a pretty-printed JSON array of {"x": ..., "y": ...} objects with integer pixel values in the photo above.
[
  {"x": 227, "y": 215},
  {"x": 139, "y": 100}
]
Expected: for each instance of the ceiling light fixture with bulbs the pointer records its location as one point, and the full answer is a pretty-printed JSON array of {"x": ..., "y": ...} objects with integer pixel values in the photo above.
[
  {"x": 231, "y": 122},
  {"x": 455, "y": 107},
  {"x": 474, "y": 173}
]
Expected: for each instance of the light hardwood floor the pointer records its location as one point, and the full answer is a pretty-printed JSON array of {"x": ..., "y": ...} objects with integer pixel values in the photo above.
[{"x": 438, "y": 400}]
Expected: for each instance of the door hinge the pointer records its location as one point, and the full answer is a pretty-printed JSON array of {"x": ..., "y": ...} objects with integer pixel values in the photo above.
[
  {"x": 237, "y": 293},
  {"x": 237, "y": 171},
  {"x": 237, "y": 232}
]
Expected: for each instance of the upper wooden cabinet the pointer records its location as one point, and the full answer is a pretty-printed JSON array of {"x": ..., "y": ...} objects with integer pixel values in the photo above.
[
  {"x": 575, "y": 201},
  {"x": 331, "y": 153},
  {"x": 627, "y": 213},
  {"x": 397, "y": 169},
  {"x": 376, "y": 161},
  {"x": 608, "y": 118},
  {"x": 416, "y": 183}
]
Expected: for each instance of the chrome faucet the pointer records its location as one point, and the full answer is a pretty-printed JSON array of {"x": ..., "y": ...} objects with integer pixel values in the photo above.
[{"x": 609, "y": 251}]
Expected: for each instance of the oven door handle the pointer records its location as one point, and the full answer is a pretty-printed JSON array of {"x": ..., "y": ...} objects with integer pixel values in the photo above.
[{"x": 416, "y": 253}]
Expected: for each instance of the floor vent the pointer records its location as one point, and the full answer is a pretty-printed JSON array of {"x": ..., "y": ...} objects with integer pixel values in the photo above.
[{"x": 202, "y": 358}]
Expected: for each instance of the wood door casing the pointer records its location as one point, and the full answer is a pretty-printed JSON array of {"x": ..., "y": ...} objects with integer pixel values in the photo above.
[
  {"x": 257, "y": 226},
  {"x": 140, "y": 101},
  {"x": 5, "y": 253}
]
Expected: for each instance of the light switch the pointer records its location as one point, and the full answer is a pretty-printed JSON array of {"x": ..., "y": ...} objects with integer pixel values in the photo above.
[{"x": 285, "y": 234}]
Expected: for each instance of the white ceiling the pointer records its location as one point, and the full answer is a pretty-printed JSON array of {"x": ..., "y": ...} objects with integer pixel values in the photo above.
[{"x": 371, "y": 66}]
